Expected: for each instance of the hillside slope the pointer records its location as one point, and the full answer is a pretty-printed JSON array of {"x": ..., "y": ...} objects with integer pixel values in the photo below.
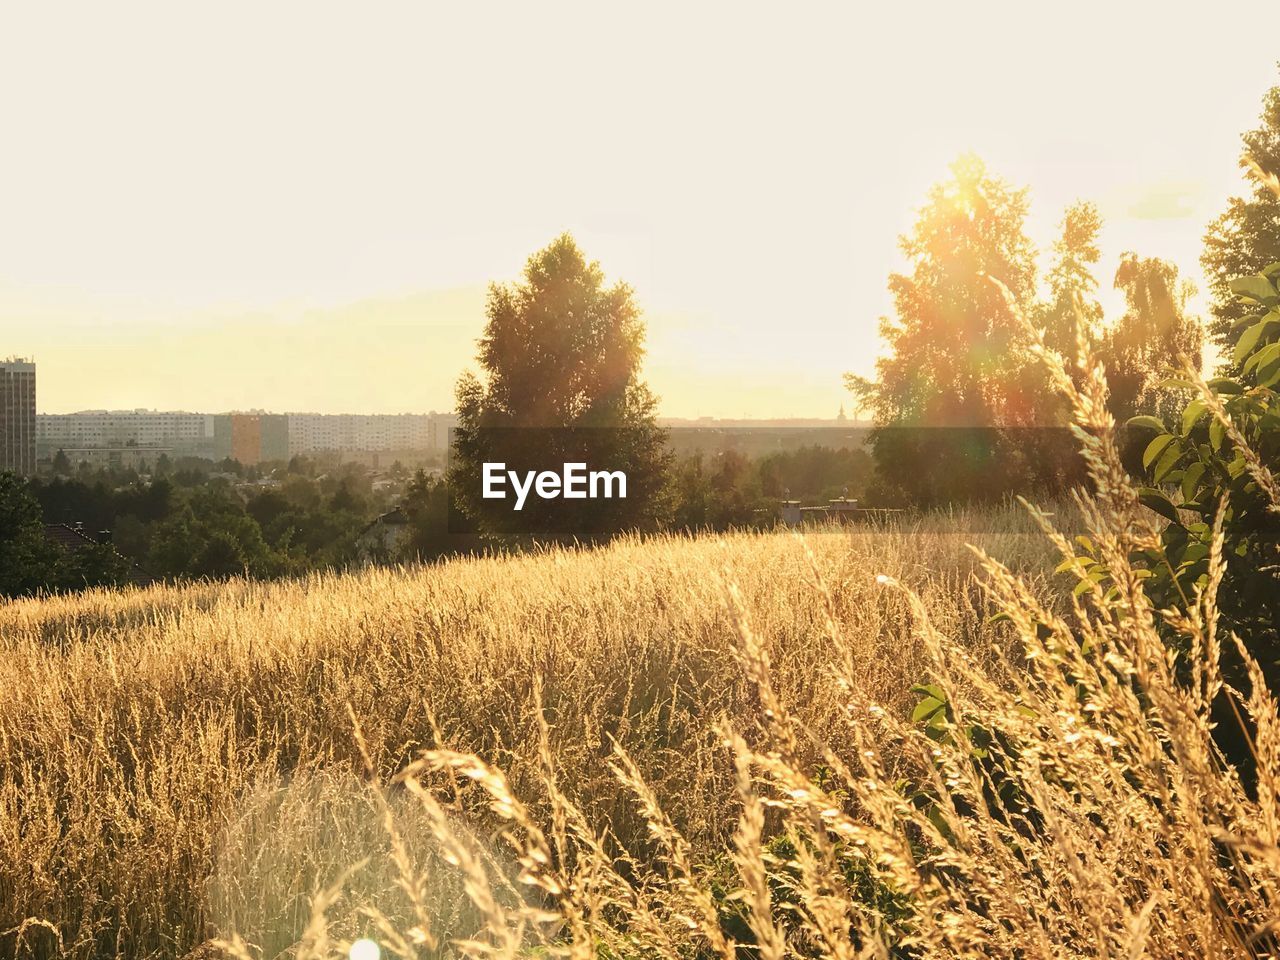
[{"x": 178, "y": 760}]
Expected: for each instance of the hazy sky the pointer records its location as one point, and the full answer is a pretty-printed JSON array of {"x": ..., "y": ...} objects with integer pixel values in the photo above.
[{"x": 297, "y": 206}]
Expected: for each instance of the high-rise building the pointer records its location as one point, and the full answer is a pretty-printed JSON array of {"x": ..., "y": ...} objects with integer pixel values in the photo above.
[
  {"x": 246, "y": 438},
  {"x": 18, "y": 416},
  {"x": 275, "y": 436},
  {"x": 441, "y": 426}
]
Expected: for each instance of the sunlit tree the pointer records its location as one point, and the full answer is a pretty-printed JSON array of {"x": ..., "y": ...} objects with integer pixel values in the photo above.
[
  {"x": 561, "y": 355},
  {"x": 1072, "y": 284},
  {"x": 1245, "y": 238},
  {"x": 957, "y": 356},
  {"x": 1148, "y": 343}
]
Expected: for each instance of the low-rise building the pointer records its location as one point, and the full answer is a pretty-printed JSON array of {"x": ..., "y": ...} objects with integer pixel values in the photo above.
[
  {"x": 120, "y": 457},
  {"x": 383, "y": 538}
]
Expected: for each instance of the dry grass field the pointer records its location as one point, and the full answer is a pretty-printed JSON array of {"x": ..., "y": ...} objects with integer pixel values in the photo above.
[
  {"x": 676, "y": 748},
  {"x": 179, "y": 763}
]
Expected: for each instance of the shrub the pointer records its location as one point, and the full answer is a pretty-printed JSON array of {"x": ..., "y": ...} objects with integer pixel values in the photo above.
[{"x": 1216, "y": 460}]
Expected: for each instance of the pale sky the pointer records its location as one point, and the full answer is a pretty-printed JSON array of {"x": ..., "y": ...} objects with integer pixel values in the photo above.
[{"x": 297, "y": 206}]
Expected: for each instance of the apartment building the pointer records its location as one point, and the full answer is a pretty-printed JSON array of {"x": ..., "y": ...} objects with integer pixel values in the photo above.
[
  {"x": 251, "y": 437},
  {"x": 183, "y": 433},
  {"x": 18, "y": 415},
  {"x": 117, "y": 457},
  {"x": 441, "y": 424},
  {"x": 315, "y": 432}
]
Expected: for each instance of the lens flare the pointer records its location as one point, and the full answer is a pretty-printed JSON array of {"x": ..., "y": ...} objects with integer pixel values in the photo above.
[{"x": 364, "y": 949}]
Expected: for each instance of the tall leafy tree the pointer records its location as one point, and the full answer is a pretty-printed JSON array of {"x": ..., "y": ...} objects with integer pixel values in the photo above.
[
  {"x": 29, "y": 563},
  {"x": 956, "y": 355},
  {"x": 26, "y": 559},
  {"x": 1146, "y": 345},
  {"x": 1245, "y": 238},
  {"x": 1072, "y": 285},
  {"x": 561, "y": 355},
  {"x": 426, "y": 502},
  {"x": 211, "y": 536}
]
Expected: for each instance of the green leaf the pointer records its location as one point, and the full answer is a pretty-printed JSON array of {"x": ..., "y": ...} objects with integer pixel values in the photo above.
[
  {"x": 1248, "y": 340},
  {"x": 1157, "y": 501},
  {"x": 1155, "y": 448},
  {"x": 1255, "y": 288},
  {"x": 1225, "y": 385},
  {"x": 1244, "y": 322},
  {"x": 1145, "y": 423},
  {"x": 1195, "y": 552},
  {"x": 1216, "y": 432},
  {"x": 929, "y": 690},
  {"x": 1272, "y": 270},
  {"x": 1193, "y": 412},
  {"x": 1263, "y": 357},
  {"x": 1193, "y": 570},
  {"x": 1096, "y": 576},
  {"x": 1191, "y": 479},
  {"x": 926, "y": 709},
  {"x": 1166, "y": 463},
  {"x": 1268, "y": 362},
  {"x": 1177, "y": 383}
]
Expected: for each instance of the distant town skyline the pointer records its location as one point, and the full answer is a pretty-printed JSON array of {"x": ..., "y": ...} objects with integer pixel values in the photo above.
[
  {"x": 137, "y": 438},
  {"x": 182, "y": 235}
]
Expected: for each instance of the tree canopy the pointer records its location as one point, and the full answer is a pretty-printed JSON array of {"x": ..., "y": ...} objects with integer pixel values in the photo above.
[
  {"x": 30, "y": 563},
  {"x": 560, "y": 354},
  {"x": 1072, "y": 284},
  {"x": 1148, "y": 343},
  {"x": 954, "y": 356},
  {"x": 957, "y": 356},
  {"x": 1245, "y": 238}
]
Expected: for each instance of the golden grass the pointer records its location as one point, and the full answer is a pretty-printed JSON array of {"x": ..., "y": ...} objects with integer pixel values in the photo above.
[
  {"x": 1073, "y": 803},
  {"x": 668, "y": 749},
  {"x": 180, "y": 764}
]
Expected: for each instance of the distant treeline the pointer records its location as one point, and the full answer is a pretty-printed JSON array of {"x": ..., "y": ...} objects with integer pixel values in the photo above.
[{"x": 195, "y": 518}]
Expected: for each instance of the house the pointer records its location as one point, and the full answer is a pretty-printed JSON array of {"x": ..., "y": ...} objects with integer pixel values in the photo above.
[
  {"x": 385, "y": 535},
  {"x": 71, "y": 537}
]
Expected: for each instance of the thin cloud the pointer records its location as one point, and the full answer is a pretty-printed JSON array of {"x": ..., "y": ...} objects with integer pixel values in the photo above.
[{"x": 1167, "y": 201}]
